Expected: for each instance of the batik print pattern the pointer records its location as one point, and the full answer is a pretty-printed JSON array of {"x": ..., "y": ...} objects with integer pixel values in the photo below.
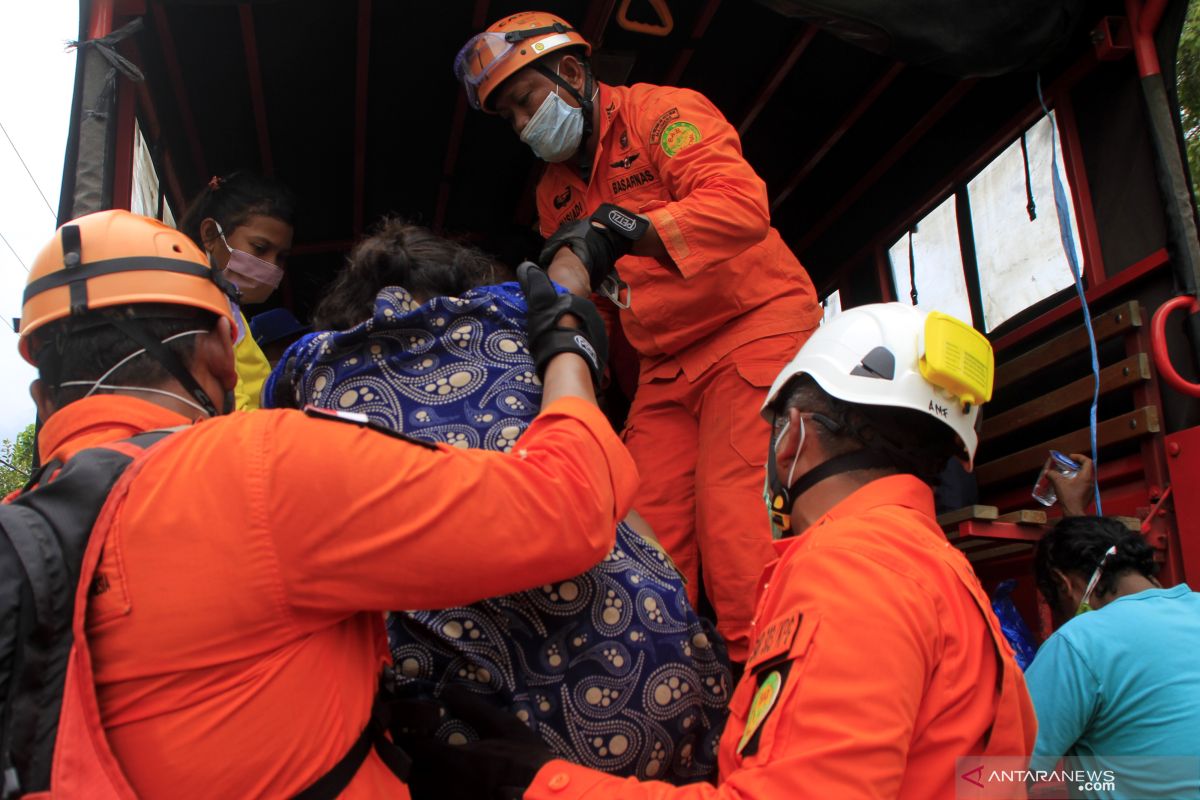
[{"x": 613, "y": 668}]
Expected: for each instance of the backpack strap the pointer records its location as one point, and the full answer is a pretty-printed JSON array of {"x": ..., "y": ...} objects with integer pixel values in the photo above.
[
  {"x": 334, "y": 782},
  {"x": 43, "y": 536}
]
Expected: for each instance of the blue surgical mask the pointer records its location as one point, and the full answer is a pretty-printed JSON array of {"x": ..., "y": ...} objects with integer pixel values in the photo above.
[{"x": 555, "y": 130}]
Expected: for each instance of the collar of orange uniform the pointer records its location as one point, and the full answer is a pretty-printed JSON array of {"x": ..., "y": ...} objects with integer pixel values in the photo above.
[
  {"x": 98, "y": 420},
  {"x": 893, "y": 490},
  {"x": 609, "y": 103}
]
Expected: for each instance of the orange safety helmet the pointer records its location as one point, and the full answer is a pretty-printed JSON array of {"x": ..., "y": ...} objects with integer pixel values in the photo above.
[
  {"x": 508, "y": 46},
  {"x": 115, "y": 258}
]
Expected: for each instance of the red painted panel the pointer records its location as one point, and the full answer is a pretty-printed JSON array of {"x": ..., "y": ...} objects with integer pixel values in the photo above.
[{"x": 1183, "y": 464}]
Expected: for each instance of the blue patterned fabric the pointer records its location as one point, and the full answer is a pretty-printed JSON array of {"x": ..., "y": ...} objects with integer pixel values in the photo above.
[{"x": 613, "y": 668}]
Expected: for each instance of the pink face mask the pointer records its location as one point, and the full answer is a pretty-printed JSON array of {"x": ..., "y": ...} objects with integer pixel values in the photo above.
[{"x": 251, "y": 267}]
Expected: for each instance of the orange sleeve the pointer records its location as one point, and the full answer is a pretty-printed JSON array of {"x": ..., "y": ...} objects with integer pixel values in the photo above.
[
  {"x": 719, "y": 206},
  {"x": 847, "y": 707},
  {"x": 362, "y": 521},
  {"x": 545, "y": 209}
]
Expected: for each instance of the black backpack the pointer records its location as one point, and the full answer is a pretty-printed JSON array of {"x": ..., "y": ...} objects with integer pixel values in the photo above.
[{"x": 45, "y": 531}]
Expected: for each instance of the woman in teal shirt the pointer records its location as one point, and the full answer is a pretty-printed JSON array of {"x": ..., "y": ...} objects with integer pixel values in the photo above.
[{"x": 1118, "y": 688}]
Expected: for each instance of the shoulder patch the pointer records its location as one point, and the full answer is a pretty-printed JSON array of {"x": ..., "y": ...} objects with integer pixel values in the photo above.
[
  {"x": 661, "y": 123},
  {"x": 775, "y": 638},
  {"x": 679, "y": 136},
  {"x": 765, "y": 696},
  {"x": 363, "y": 421}
]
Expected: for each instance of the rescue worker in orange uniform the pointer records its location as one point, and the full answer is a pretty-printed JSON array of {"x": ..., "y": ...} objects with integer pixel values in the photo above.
[
  {"x": 236, "y": 578},
  {"x": 876, "y": 661},
  {"x": 707, "y": 292}
]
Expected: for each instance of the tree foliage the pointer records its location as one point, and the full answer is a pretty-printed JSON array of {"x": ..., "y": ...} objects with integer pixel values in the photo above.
[
  {"x": 1188, "y": 71},
  {"x": 16, "y": 460}
]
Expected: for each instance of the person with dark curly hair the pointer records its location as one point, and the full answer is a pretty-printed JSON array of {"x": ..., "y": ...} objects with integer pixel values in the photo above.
[{"x": 1119, "y": 689}]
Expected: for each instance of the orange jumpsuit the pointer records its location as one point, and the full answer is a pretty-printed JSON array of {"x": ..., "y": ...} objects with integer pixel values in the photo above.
[
  {"x": 234, "y": 623},
  {"x": 713, "y": 326},
  {"x": 882, "y": 664}
]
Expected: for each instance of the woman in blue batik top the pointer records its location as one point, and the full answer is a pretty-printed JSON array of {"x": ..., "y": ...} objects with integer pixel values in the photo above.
[{"x": 612, "y": 668}]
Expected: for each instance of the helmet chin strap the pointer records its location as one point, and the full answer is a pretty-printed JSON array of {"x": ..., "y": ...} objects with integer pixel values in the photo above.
[
  {"x": 783, "y": 496},
  {"x": 171, "y": 363},
  {"x": 585, "y": 104}
]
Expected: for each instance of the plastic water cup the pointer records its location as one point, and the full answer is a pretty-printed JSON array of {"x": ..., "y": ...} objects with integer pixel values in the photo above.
[{"x": 1043, "y": 489}]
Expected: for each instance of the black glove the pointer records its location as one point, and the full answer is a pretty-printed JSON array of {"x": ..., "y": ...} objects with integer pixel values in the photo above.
[
  {"x": 546, "y": 338},
  {"x": 501, "y": 765},
  {"x": 596, "y": 247}
]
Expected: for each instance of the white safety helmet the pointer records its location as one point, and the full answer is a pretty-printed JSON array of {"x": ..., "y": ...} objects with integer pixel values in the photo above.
[{"x": 895, "y": 355}]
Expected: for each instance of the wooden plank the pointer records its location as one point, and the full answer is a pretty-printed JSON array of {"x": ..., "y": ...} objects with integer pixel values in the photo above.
[
  {"x": 976, "y": 556},
  {"x": 1025, "y": 516},
  {"x": 1122, "y": 318},
  {"x": 971, "y": 543},
  {"x": 1133, "y": 523},
  {"x": 991, "y": 531},
  {"x": 965, "y": 513},
  {"x": 1139, "y": 422},
  {"x": 1126, "y": 372}
]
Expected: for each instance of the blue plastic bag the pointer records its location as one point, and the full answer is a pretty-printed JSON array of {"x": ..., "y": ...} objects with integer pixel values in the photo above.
[{"x": 1013, "y": 624}]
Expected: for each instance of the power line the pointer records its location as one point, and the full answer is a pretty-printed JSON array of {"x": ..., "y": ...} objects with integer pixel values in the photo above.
[
  {"x": 14, "y": 252},
  {"x": 30, "y": 174}
]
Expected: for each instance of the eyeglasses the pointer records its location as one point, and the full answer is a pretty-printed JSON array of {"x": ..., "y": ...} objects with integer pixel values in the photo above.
[{"x": 1091, "y": 584}]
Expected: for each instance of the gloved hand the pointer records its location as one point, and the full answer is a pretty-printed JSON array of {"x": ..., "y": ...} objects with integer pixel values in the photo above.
[
  {"x": 597, "y": 247},
  {"x": 547, "y": 338},
  {"x": 499, "y": 766}
]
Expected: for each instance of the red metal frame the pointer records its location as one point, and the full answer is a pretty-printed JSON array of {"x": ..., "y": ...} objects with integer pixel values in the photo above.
[
  {"x": 1158, "y": 343},
  {"x": 889, "y": 159},
  {"x": 839, "y": 130},
  {"x": 1144, "y": 17},
  {"x": 147, "y": 114},
  {"x": 257, "y": 99},
  {"x": 593, "y": 27},
  {"x": 361, "y": 68},
  {"x": 698, "y": 31},
  {"x": 1085, "y": 213},
  {"x": 175, "y": 75},
  {"x": 122, "y": 183},
  {"x": 883, "y": 273},
  {"x": 1155, "y": 476},
  {"x": 101, "y": 23},
  {"x": 977, "y": 161},
  {"x": 457, "y": 121},
  {"x": 1183, "y": 462},
  {"x": 1155, "y": 261},
  {"x": 780, "y": 73}
]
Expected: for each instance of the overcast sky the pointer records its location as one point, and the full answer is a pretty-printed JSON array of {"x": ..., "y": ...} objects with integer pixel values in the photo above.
[{"x": 37, "y": 76}]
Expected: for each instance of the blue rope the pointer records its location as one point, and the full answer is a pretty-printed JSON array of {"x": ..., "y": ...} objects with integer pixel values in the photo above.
[{"x": 1068, "y": 242}]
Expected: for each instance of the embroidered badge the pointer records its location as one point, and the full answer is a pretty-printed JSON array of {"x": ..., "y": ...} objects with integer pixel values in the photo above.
[
  {"x": 760, "y": 707},
  {"x": 663, "y": 120},
  {"x": 775, "y": 638},
  {"x": 679, "y": 136}
]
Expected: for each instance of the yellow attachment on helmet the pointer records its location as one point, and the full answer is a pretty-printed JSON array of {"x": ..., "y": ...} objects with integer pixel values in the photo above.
[{"x": 958, "y": 358}]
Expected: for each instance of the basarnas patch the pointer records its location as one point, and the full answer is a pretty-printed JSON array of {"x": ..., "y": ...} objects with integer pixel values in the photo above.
[{"x": 679, "y": 136}]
